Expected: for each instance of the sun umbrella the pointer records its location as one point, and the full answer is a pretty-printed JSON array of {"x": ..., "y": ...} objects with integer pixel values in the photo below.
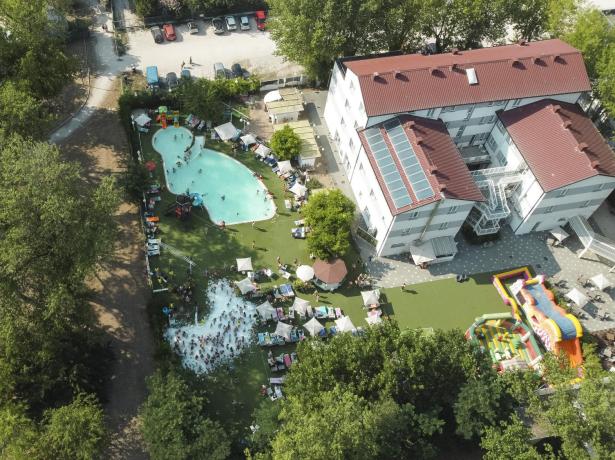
[
  {"x": 300, "y": 306},
  {"x": 344, "y": 324},
  {"x": 266, "y": 310},
  {"x": 305, "y": 272},
  {"x": 577, "y": 297},
  {"x": 245, "y": 285},
  {"x": 272, "y": 96},
  {"x": 150, "y": 165},
  {"x": 601, "y": 281},
  {"x": 244, "y": 265},
  {"x": 283, "y": 330},
  {"x": 371, "y": 297},
  {"x": 285, "y": 166},
  {"x": 371, "y": 320},
  {"x": 298, "y": 189},
  {"x": 313, "y": 326}
]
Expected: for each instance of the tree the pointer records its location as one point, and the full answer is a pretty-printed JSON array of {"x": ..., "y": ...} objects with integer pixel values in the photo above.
[
  {"x": 529, "y": 18},
  {"x": 606, "y": 80},
  {"x": 330, "y": 215},
  {"x": 509, "y": 441},
  {"x": 395, "y": 24},
  {"x": 18, "y": 434},
  {"x": 265, "y": 416},
  {"x": 20, "y": 111},
  {"x": 202, "y": 98},
  {"x": 174, "y": 425},
  {"x": 285, "y": 143}
]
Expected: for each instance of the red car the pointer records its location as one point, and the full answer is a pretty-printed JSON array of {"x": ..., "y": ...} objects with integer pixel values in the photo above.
[
  {"x": 169, "y": 32},
  {"x": 260, "y": 20}
]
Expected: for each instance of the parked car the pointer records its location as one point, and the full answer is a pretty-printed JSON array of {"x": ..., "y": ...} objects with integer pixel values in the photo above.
[
  {"x": 231, "y": 23},
  {"x": 218, "y": 24},
  {"x": 261, "y": 17},
  {"x": 169, "y": 32},
  {"x": 219, "y": 70},
  {"x": 236, "y": 71},
  {"x": 172, "y": 81},
  {"x": 157, "y": 34},
  {"x": 185, "y": 74},
  {"x": 244, "y": 23},
  {"x": 193, "y": 28}
]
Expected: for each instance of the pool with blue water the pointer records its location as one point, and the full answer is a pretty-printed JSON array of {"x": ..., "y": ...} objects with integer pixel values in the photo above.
[{"x": 231, "y": 192}]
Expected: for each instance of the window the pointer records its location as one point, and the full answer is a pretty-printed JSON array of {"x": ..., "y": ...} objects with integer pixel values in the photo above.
[
  {"x": 366, "y": 214},
  {"x": 361, "y": 107},
  {"x": 453, "y": 209},
  {"x": 491, "y": 142},
  {"x": 351, "y": 143},
  {"x": 508, "y": 139},
  {"x": 372, "y": 194},
  {"x": 459, "y": 132},
  {"x": 342, "y": 122},
  {"x": 347, "y": 104},
  {"x": 336, "y": 137},
  {"x": 430, "y": 113},
  {"x": 347, "y": 165},
  {"x": 448, "y": 109},
  {"x": 406, "y": 231},
  {"x": 361, "y": 167},
  {"x": 586, "y": 204},
  {"x": 598, "y": 187},
  {"x": 356, "y": 124},
  {"x": 563, "y": 192},
  {"x": 500, "y": 103},
  {"x": 412, "y": 215},
  {"x": 516, "y": 102},
  {"x": 500, "y": 127},
  {"x": 351, "y": 86},
  {"x": 398, "y": 245},
  {"x": 549, "y": 210},
  {"x": 501, "y": 158},
  {"x": 443, "y": 226}
]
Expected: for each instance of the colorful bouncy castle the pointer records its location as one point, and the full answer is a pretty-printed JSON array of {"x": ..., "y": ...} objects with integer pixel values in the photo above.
[{"x": 533, "y": 303}]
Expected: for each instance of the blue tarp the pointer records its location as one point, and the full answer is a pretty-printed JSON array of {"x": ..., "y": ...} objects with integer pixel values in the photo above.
[
  {"x": 152, "y": 75},
  {"x": 546, "y": 306}
]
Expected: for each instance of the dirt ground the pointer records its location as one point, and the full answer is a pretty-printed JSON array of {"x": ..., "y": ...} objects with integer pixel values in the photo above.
[{"x": 120, "y": 288}]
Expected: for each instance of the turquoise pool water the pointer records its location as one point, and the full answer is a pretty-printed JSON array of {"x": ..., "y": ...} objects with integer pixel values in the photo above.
[{"x": 230, "y": 191}]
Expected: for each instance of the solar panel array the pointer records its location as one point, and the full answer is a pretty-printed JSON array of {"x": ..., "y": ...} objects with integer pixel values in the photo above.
[
  {"x": 388, "y": 169},
  {"x": 407, "y": 157}
]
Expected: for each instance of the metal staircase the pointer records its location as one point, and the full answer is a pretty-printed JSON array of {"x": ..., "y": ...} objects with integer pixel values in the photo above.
[{"x": 486, "y": 216}]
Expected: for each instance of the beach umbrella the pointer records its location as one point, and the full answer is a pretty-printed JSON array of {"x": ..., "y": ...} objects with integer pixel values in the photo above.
[
  {"x": 600, "y": 281},
  {"x": 371, "y": 320},
  {"x": 371, "y": 297},
  {"x": 244, "y": 265},
  {"x": 300, "y": 305},
  {"x": 577, "y": 297},
  {"x": 283, "y": 330},
  {"x": 298, "y": 189},
  {"x": 313, "y": 326},
  {"x": 266, "y": 310},
  {"x": 245, "y": 285},
  {"x": 305, "y": 272},
  {"x": 150, "y": 165},
  {"x": 272, "y": 96},
  {"x": 344, "y": 324},
  {"x": 285, "y": 166},
  {"x": 262, "y": 150}
]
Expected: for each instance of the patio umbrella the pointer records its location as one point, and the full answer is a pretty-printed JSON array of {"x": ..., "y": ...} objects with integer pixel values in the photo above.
[
  {"x": 283, "y": 330},
  {"x": 262, "y": 150},
  {"x": 601, "y": 281},
  {"x": 248, "y": 139},
  {"x": 300, "y": 305},
  {"x": 150, "y": 165},
  {"x": 244, "y": 265},
  {"x": 285, "y": 166},
  {"x": 313, "y": 326},
  {"x": 245, "y": 285},
  {"x": 422, "y": 254},
  {"x": 577, "y": 297},
  {"x": 344, "y": 324},
  {"x": 272, "y": 96},
  {"x": 142, "y": 120},
  {"x": 305, "y": 272},
  {"x": 371, "y": 297},
  {"x": 266, "y": 311},
  {"x": 298, "y": 189},
  {"x": 371, "y": 320}
]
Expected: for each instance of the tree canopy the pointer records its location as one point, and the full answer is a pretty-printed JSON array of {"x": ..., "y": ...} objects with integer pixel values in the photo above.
[
  {"x": 330, "y": 215},
  {"x": 285, "y": 143}
]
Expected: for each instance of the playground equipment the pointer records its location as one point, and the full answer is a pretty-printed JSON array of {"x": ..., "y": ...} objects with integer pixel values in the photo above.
[
  {"x": 510, "y": 342},
  {"x": 176, "y": 118},
  {"x": 162, "y": 116},
  {"x": 530, "y": 299},
  {"x": 182, "y": 207}
]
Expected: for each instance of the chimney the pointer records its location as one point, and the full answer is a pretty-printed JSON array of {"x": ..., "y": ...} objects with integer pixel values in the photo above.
[
  {"x": 537, "y": 60},
  {"x": 583, "y": 147},
  {"x": 567, "y": 125},
  {"x": 442, "y": 187},
  {"x": 410, "y": 123},
  {"x": 515, "y": 62},
  {"x": 433, "y": 70},
  {"x": 433, "y": 169},
  {"x": 556, "y": 58},
  {"x": 595, "y": 164},
  {"x": 419, "y": 140},
  {"x": 455, "y": 51},
  {"x": 375, "y": 75},
  {"x": 522, "y": 43},
  {"x": 556, "y": 108}
]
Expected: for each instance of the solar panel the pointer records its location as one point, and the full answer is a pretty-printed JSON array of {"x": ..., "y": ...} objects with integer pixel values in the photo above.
[
  {"x": 394, "y": 183},
  {"x": 407, "y": 157}
]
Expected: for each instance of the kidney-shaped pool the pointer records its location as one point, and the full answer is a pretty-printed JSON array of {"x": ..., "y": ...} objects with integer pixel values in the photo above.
[{"x": 230, "y": 191}]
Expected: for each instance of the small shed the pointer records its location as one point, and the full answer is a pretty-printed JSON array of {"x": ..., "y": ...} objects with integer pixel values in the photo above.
[
  {"x": 329, "y": 274},
  {"x": 309, "y": 147},
  {"x": 284, "y": 105}
]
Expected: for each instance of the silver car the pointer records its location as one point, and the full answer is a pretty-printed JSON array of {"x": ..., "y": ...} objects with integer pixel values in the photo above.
[
  {"x": 231, "y": 23},
  {"x": 244, "y": 23}
]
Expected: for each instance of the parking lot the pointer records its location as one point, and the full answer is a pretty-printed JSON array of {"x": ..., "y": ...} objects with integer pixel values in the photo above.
[{"x": 252, "y": 49}]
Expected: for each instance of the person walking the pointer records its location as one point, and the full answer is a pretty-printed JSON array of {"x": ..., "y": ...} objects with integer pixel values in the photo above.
[{"x": 190, "y": 60}]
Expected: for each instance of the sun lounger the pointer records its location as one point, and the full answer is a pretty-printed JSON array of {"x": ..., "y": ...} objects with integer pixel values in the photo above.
[
  {"x": 294, "y": 358},
  {"x": 277, "y": 340},
  {"x": 331, "y": 312},
  {"x": 298, "y": 233},
  {"x": 338, "y": 312},
  {"x": 301, "y": 335},
  {"x": 284, "y": 274},
  {"x": 287, "y": 290},
  {"x": 321, "y": 312},
  {"x": 288, "y": 205},
  {"x": 300, "y": 222},
  {"x": 287, "y": 360},
  {"x": 294, "y": 336},
  {"x": 278, "y": 391},
  {"x": 280, "y": 312},
  {"x": 310, "y": 312},
  {"x": 276, "y": 380},
  {"x": 332, "y": 330},
  {"x": 153, "y": 219}
]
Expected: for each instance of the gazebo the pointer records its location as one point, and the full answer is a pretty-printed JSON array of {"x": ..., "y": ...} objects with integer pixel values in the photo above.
[
  {"x": 601, "y": 281},
  {"x": 344, "y": 324},
  {"x": 227, "y": 131},
  {"x": 313, "y": 326},
  {"x": 283, "y": 330},
  {"x": 266, "y": 311},
  {"x": 300, "y": 306},
  {"x": 577, "y": 297},
  {"x": 371, "y": 298},
  {"x": 329, "y": 274},
  {"x": 298, "y": 189},
  {"x": 245, "y": 285},
  {"x": 305, "y": 273},
  {"x": 244, "y": 265}
]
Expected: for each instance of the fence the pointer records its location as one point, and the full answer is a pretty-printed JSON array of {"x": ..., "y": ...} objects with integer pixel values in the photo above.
[{"x": 283, "y": 82}]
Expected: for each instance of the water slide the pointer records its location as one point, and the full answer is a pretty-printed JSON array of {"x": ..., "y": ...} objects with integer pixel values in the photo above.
[
  {"x": 552, "y": 311},
  {"x": 572, "y": 349}
]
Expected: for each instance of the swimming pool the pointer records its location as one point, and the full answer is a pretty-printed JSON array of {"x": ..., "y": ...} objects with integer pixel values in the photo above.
[{"x": 230, "y": 191}]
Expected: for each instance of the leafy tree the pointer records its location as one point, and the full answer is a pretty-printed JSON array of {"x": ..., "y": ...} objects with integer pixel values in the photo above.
[
  {"x": 173, "y": 423},
  {"x": 330, "y": 215},
  {"x": 509, "y": 441},
  {"x": 266, "y": 417},
  {"x": 20, "y": 111},
  {"x": 395, "y": 24},
  {"x": 561, "y": 14},
  {"x": 18, "y": 434},
  {"x": 606, "y": 81},
  {"x": 202, "y": 98},
  {"x": 529, "y": 18},
  {"x": 285, "y": 143}
]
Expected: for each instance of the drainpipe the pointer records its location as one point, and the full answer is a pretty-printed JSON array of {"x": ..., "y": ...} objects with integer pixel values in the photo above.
[{"x": 433, "y": 213}]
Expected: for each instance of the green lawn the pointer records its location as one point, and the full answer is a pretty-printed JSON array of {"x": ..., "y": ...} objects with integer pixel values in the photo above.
[{"x": 441, "y": 304}]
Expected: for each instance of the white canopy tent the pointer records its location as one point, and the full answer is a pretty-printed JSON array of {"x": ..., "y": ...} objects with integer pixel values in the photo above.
[
  {"x": 283, "y": 330},
  {"x": 245, "y": 285},
  {"x": 422, "y": 254},
  {"x": 559, "y": 233},
  {"x": 298, "y": 189},
  {"x": 301, "y": 306},
  {"x": 266, "y": 310},
  {"x": 601, "y": 281},
  {"x": 248, "y": 139},
  {"x": 313, "y": 326},
  {"x": 142, "y": 119},
  {"x": 244, "y": 265},
  {"x": 272, "y": 96},
  {"x": 371, "y": 297},
  {"x": 371, "y": 320},
  {"x": 284, "y": 166},
  {"x": 577, "y": 297},
  {"x": 344, "y": 324},
  {"x": 262, "y": 150},
  {"x": 305, "y": 272},
  {"x": 227, "y": 131}
]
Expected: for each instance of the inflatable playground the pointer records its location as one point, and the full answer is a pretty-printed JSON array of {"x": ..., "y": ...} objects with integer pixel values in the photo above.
[
  {"x": 164, "y": 116},
  {"x": 534, "y": 304}
]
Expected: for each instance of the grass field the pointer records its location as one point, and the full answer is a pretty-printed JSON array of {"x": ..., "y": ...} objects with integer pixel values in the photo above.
[{"x": 442, "y": 304}]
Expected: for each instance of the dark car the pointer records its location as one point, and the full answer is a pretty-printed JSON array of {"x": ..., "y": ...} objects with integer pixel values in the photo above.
[
  {"x": 169, "y": 32},
  {"x": 236, "y": 71},
  {"x": 157, "y": 34},
  {"x": 172, "y": 81},
  {"x": 185, "y": 74},
  {"x": 218, "y": 24}
]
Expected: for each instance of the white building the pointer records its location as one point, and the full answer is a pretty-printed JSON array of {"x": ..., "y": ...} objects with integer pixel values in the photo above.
[{"x": 467, "y": 92}]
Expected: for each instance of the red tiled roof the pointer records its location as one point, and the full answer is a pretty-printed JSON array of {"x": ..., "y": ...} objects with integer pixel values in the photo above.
[
  {"x": 446, "y": 171},
  {"x": 330, "y": 271},
  {"x": 397, "y": 84},
  {"x": 559, "y": 143}
]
